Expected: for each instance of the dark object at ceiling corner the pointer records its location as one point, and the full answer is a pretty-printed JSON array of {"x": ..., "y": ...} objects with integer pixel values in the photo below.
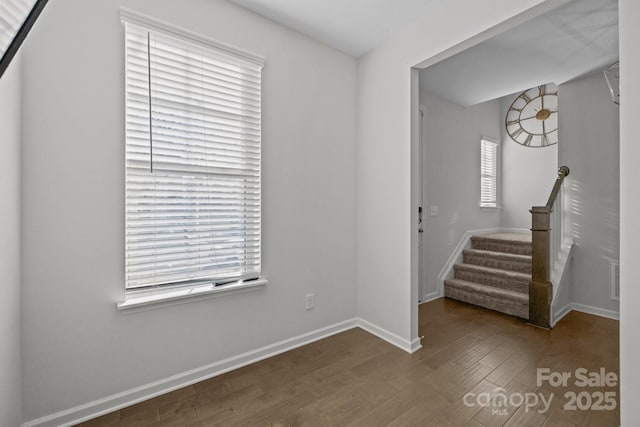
[{"x": 21, "y": 35}]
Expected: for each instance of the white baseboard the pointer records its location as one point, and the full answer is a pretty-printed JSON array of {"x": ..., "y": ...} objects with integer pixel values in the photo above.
[
  {"x": 560, "y": 314},
  {"x": 117, "y": 401},
  {"x": 416, "y": 344},
  {"x": 390, "y": 337},
  {"x": 431, "y": 297},
  {"x": 130, "y": 397},
  {"x": 596, "y": 311}
]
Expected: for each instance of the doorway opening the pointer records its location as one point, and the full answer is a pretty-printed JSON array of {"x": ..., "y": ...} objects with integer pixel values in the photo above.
[{"x": 465, "y": 99}]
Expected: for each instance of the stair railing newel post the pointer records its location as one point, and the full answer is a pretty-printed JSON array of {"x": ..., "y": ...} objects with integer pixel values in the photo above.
[{"x": 541, "y": 288}]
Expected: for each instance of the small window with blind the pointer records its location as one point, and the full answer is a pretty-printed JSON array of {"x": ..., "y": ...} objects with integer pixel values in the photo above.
[
  {"x": 193, "y": 136},
  {"x": 488, "y": 173}
]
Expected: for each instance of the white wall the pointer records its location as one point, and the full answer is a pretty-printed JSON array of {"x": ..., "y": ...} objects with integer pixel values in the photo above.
[
  {"x": 76, "y": 148},
  {"x": 10, "y": 366},
  {"x": 629, "y": 206},
  {"x": 387, "y": 274},
  {"x": 528, "y": 175},
  {"x": 589, "y": 145},
  {"x": 451, "y": 162},
  {"x": 77, "y": 347}
]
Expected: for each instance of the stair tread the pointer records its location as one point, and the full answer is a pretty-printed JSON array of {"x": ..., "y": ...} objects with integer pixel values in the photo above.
[
  {"x": 489, "y": 290},
  {"x": 500, "y": 255},
  {"x": 515, "y": 238},
  {"x": 494, "y": 271},
  {"x": 503, "y": 242}
]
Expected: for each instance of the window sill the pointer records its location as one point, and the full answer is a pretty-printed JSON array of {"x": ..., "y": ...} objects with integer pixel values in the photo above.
[
  {"x": 490, "y": 208},
  {"x": 148, "y": 300}
]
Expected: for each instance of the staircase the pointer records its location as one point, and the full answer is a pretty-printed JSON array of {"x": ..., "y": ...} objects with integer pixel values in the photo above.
[{"x": 495, "y": 274}]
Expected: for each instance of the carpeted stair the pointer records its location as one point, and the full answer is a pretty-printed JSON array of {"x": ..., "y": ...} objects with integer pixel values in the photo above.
[{"x": 495, "y": 274}]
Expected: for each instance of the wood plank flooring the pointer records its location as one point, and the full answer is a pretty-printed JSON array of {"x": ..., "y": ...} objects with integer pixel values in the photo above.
[{"x": 356, "y": 379}]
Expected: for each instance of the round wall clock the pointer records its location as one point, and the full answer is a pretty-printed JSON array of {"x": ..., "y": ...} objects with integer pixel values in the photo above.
[{"x": 532, "y": 119}]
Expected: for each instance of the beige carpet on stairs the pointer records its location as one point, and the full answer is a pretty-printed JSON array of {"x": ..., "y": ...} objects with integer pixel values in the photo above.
[{"x": 495, "y": 274}]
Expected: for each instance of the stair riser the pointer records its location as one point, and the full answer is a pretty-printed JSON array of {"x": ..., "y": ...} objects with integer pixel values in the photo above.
[
  {"x": 492, "y": 280},
  {"x": 492, "y": 303},
  {"x": 502, "y": 264},
  {"x": 510, "y": 248}
]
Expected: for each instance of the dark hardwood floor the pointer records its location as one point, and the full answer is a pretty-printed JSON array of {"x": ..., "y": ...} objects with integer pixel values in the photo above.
[{"x": 354, "y": 378}]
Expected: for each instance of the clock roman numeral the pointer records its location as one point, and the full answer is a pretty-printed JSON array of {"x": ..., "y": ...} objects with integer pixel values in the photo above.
[
  {"x": 519, "y": 110},
  {"x": 527, "y": 141},
  {"x": 513, "y": 122},
  {"x": 543, "y": 90},
  {"x": 516, "y": 134},
  {"x": 525, "y": 97},
  {"x": 545, "y": 141}
]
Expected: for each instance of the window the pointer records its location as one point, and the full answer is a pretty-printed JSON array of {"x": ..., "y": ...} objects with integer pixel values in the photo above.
[
  {"x": 193, "y": 136},
  {"x": 488, "y": 173},
  {"x": 12, "y": 15},
  {"x": 16, "y": 19}
]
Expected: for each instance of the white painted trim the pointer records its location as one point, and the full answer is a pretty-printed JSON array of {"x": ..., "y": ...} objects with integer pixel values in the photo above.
[
  {"x": 559, "y": 315},
  {"x": 431, "y": 297},
  {"x": 136, "y": 301},
  {"x": 596, "y": 311},
  {"x": 146, "y": 21},
  {"x": 465, "y": 243},
  {"x": 559, "y": 279},
  {"x": 612, "y": 280},
  {"x": 416, "y": 344},
  {"x": 135, "y": 395},
  {"x": 96, "y": 408},
  {"x": 390, "y": 337},
  {"x": 559, "y": 272}
]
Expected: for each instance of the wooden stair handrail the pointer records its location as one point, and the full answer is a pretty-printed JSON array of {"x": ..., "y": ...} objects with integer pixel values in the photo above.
[
  {"x": 540, "y": 288},
  {"x": 562, "y": 173}
]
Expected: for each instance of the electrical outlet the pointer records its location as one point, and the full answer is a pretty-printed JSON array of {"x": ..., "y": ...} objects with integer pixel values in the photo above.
[{"x": 310, "y": 301}]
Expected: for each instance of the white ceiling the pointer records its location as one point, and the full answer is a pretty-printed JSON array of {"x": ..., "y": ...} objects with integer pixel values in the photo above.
[
  {"x": 568, "y": 42},
  {"x": 563, "y": 44},
  {"x": 352, "y": 26}
]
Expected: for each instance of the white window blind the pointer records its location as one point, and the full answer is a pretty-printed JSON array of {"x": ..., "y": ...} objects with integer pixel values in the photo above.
[
  {"x": 488, "y": 173},
  {"x": 193, "y": 136},
  {"x": 12, "y": 15}
]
